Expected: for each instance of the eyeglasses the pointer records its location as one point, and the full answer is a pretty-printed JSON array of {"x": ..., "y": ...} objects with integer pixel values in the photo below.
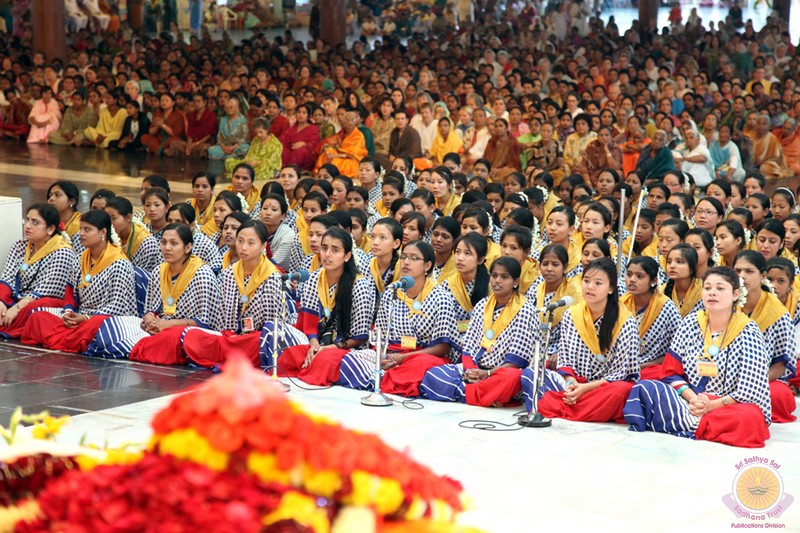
[
  {"x": 32, "y": 221},
  {"x": 413, "y": 258},
  {"x": 705, "y": 212}
]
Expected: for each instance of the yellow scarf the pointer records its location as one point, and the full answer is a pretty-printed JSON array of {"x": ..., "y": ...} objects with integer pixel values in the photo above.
[
  {"x": 651, "y": 250},
  {"x": 767, "y": 311},
  {"x": 381, "y": 209},
  {"x": 493, "y": 329},
  {"x": 459, "y": 290},
  {"x": 415, "y": 304},
  {"x": 110, "y": 254},
  {"x": 662, "y": 261},
  {"x": 377, "y": 275},
  {"x": 582, "y": 318},
  {"x": 251, "y": 199},
  {"x": 210, "y": 228},
  {"x": 567, "y": 288},
  {"x": 574, "y": 254},
  {"x": 448, "y": 270},
  {"x": 264, "y": 270},
  {"x": 693, "y": 296},
  {"x": 365, "y": 244},
  {"x": 73, "y": 225},
  {"x": 200, "y": 218},
  {"x": 226, "y": 260},
  {"x": 56, "y": 242},
  {"x": 324, "y": 293},
  {"x": 654, "y": 307},
  {"x": 494, "y": 251},
  {"x": 135, "y": 239},
  {"x": 552, "y": 201},
  {"x": 302, "y": 234},
  {"x": 530, "y": 271},
  {"x": 738, "y": 322},
  {"x": 791, "y": 303},
  {"x": 786, "y": 254},
  {"x": 452, "y": 203},
  {"x": 172, "y": 291}
]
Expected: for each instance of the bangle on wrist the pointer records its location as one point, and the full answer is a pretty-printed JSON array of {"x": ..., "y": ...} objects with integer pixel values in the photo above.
[
  {"x": 725, "y": 401},
  {"x": 570, "y": 382},
  {"x": 682, "y": 388},
  {"x": 489, "y": 373}
]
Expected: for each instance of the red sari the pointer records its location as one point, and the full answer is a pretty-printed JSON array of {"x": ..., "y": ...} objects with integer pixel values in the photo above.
[{"x": 303, "y": 157}]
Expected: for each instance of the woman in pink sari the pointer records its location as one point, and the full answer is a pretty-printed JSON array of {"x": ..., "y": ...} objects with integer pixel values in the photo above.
[
  {"x": 45, "y": 117},
  {"x": 300, "y": 139}
]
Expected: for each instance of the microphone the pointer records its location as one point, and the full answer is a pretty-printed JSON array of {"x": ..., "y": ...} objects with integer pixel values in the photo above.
[
  {"x": 405, "y": 283},
  {"x": 300, "y": 275},
  {"x": 566, "y": 301}
]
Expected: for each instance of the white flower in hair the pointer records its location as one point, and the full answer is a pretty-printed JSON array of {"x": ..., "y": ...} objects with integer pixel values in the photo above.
[
  {"x": 768, "y": 284},
  {"x": 523, "y": 196},
  {"x": 245, "y": 205},
  {"x": 742, "y": 293},
  {"x": 715, "y": 257},
  {"x": 491, "y": 225},
  {"x": 545, "y": 193},
  {"x": 748, "y": 236},
  {"x": 535, "y": 233},
  {"x": 114, "y": 238}
]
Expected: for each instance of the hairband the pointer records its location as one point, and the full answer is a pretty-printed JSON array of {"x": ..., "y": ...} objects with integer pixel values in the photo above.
[{"x": 794, "y": 200}]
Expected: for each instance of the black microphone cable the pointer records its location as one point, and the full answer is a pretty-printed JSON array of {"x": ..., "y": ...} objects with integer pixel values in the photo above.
[{"x": 492, "y": 425}]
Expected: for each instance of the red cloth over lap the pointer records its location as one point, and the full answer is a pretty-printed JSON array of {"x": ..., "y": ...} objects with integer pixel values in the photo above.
[
  {"x": 404, "y": 379},
  {"x": 603, "y": 404},
  {"x": 501, "y": 387},
  {"x": 324, "y": 369},
  {"x": 740, "y": 424},
  {"x": 164, "y": 348},
  {"x": 783, "y": 402},
  {"x": 651, "y": 372},
  {"x": 14, "y": 330},
  {"x": 209, "y": 350},
  {"x": 48, "y": 330}
]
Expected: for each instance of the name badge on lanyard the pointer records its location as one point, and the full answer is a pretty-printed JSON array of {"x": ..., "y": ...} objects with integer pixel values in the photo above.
[
  {"x": 408, "y": 342},
  {"x": 707, "y": 368}
]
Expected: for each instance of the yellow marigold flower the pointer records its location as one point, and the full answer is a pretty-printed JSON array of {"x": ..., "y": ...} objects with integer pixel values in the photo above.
[
  {"x": 265, "y": 466},
  {"x": 324, "y": 482},
  {"x": 303, "y": 510},
  {"x": 441, "y": 511},
  {"x": 124, "y": 456},
  {"x": 49, "y": 427},
  {"x": 385, "y": 495},
  {"x": 417, "y": 509},
  {"x": 27, "y": 511},
  {"x": 351, "y": 518},
  {"x": 188, "y": 445}
]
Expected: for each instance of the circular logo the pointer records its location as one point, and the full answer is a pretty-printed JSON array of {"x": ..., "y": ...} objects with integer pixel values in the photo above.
[{"x": 757, "y": 487}]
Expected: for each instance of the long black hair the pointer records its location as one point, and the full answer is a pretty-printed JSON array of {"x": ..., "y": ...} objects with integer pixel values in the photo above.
[
  {"x": 755, "y": 259},
  {"x": 708, "y": 242},
  {"x": 481, "y": 248},
  {"x": 611, "y": 313},
  {"x": 690, "y": 256},
  {"x": 99, "y": 219},
  {"x": 396, "y": 231},
  {"x": 650, "y": 267},
  {"x": 342, "y": 304}
]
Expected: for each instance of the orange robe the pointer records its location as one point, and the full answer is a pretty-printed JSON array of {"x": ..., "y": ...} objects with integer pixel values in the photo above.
[{"x": 353, "y": 145}]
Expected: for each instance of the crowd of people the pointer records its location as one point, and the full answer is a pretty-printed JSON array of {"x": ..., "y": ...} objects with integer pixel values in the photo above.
[{"x": 502, "y": 172}]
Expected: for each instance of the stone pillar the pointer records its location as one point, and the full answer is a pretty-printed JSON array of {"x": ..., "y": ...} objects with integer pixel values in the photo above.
[
  {"x": 136, "y": 14},
  {"x": 333, "y": 22},
  {"x": 49, "y": 31},
  {"x": 648, "y": 11}
]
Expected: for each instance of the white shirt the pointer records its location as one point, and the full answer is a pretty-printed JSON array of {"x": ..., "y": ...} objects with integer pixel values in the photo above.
[
  {"x": 427, "y": 134},
  {"x": 702, "y": 173}
]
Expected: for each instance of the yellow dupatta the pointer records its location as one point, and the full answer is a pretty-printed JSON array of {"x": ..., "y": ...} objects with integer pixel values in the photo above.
[
  {"x": 654, "y": 307},
  {"x": 791, "y": 303},
  {"x": 251, "y": 199},
  {"x": 202, "y": 217},
  {"x": 226, "y": 260},
  {"x": 693, "y": 296},
  {"x": 738, "y": 322},
  {"x": 582, "y": 318},
  {"x": 494, "y": 251},
  {"x": 210, "y": 228},
  {"x": 662, "y": 262},
  {"x": 415, "y": 304},
  {"x": 263, "y": 270},
  {"x": 172, "y": 291},
  {"x": 111, "y": 253},
  {"x": 448, "y": 269},
  {"x": 566, "y": 288},
  {"x": 138, "y": 234},
  {"x": 377, "y": 275},
  {"x": 459, "y": 291},
  {"x": 315, "y": 263},
  {"x": 365, "y": 244},
  {"x": 381, "y": 209},
  {"x": 550, "y": 204},
  {"x": 56, "y": 242},
  {"x": 302, "y": 234},
  {"x": 453, "y": 202},
  {"x": 651, "y": 250},
  {"x": 493, "y": 329},
  {"x": 324, "y": 293},
  {"x": 530, "y": 271},
  {"x": 574, "y": 254},
  {"x": 442, "y": 147},
  {"x": 767, "y": 311},
  {"x": 73, "y": 225}
]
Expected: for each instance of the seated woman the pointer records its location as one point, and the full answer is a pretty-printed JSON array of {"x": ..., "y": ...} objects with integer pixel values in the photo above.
[
  {"x": 657, "y": 315},
  {"x": 138, "y": 244},
  {"x": 645, "y": 242},
  {"x": 336, "y": 308},
  {"x": 312, "y": 205},
  {"x": 712, "y": 388},
  {"x": 477, "y": 219},
  {"x": 183, "y": 292},
  {"x": 282, "y": 238},
  {"x": 554, "y": 285},
  {"x": 775, "y": 323},
  {"x": 444, "y": 233},
  {"x": 421, "y": 330},
  {"x": 516, "y": 242},
  {"x": 168, "y": 125},
  {"x": 300, "y": 140},
  {"x": 264, "y": 152},
  {"x": 383, "y": 268},
  {"x": 781, "y": 273},
  {"x": 243, "y": 182},
  {"x": 446, "y": 142},
  {"x": 499, "y": 343},
  {"x": 104, "y": 286},
  {"x": 224, "y": 204},
  {"x": 64, "y": 196},
  {"x": 233, "y": 134},
  {"x": 44, "y": 118},
  {"x": 203, "y": 198},
  {"x": 441, "y": 186},
  {"x": 250, "y": 295},
  {"x": 684, "y": 288},
  {"x": 156, "y": 204},
  {"x": 598, "y": 358},
  {"x": 230, "y": 227},
  {"x": 344, "y": 149},
  {"x": 37, "y": 270},
  {"x": 136, "y": 125},
  {"x": 671, "y": 232},
  {"x": 203, "y": 248},
  {"x": 201, "y": 127},
  {"x": 560, "y": 223},
  {"x": 110, "y": 122}
]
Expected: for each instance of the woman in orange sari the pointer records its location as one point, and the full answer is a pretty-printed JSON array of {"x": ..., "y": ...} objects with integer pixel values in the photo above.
[{"x": 344, "y": 149}]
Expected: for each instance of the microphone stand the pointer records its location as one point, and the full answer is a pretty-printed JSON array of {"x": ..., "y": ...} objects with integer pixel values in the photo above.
[
  {"x": 621, "y": 227},
  {"x": 376, "y": 398},
  {"x": 282, "y": 319},
  {"x": 534, "y": 418},
  {"x": 636, "y": 221}
]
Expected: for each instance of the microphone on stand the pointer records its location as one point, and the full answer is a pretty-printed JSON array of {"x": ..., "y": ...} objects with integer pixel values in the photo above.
[
  {"x": 405, "y": 283},
  {"x": 566, "y": 301},
  {"x": 300, "y": 275}
]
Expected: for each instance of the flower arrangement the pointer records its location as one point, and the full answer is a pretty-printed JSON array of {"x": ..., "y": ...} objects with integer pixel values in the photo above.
[{"x": 237, "y": 455}]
